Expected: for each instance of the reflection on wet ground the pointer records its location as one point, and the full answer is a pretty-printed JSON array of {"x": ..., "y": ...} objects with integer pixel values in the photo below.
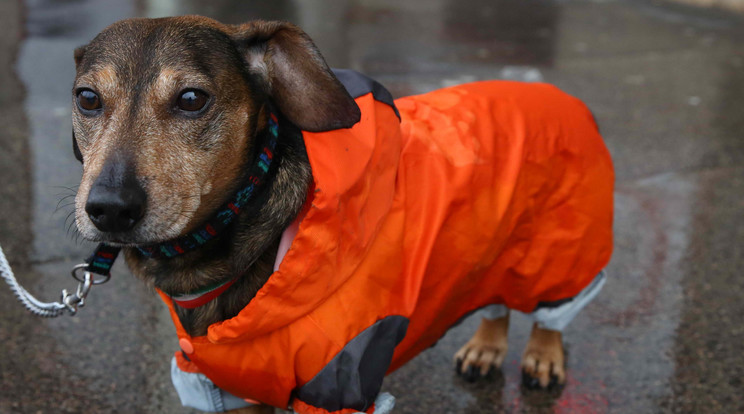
[{"x": 665, "y": 82}]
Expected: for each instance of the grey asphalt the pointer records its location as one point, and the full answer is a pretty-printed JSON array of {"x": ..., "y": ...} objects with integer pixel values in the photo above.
[{"x": 665, "y": 82}]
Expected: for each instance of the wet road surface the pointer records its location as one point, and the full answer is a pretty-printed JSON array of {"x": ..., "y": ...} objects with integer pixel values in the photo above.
[{"x": 666, "y": 84}]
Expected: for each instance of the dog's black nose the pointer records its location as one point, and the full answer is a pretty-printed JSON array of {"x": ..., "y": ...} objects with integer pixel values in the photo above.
[
  {"x": 116, "y": 209},
  {"x": 116, "y": 201}
]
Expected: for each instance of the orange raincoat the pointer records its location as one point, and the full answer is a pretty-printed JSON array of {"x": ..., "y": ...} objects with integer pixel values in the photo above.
[{"x": 487, "y": 193}]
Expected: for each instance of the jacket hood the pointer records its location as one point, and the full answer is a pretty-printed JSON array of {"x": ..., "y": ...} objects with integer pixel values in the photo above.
[{"x": 354, "y": 172}]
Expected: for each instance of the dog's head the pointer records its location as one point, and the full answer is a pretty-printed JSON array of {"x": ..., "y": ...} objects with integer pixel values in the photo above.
[{"x": 165, "y": 112}]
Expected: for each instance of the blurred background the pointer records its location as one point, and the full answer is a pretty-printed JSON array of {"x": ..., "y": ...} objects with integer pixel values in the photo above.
[{"x": 664, "y": 79}]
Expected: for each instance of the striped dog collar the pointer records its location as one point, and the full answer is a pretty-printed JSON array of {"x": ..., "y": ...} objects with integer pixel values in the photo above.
[{"x": 202, "y": 296}]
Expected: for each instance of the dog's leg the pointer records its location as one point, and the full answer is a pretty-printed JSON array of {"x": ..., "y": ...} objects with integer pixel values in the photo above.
[
  {"x": 543, "y": 359},
  {"x": 485, "y": 351}
]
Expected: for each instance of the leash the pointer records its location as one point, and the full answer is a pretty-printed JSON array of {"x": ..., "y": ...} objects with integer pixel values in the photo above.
[
  {"x": 69, "y": 301},
  {"x": 103, "y": 258}
]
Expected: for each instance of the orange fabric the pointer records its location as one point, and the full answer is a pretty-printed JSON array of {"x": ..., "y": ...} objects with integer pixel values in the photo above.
[
  {"x": 492, "y": 192},
  {"x": 185, "y": 365},
  {"x": 300, "y": 406}
]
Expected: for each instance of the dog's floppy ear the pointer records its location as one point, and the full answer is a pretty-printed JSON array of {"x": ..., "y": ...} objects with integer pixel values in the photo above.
[
  {"x": 76, "y": 149},
  {"x": 296, "y": 76}
]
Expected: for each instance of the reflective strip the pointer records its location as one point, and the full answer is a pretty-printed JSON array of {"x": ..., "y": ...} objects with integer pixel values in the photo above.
[
  {"x": 495, "y": 311},
  {"x": 556, "y": 319},
  {"x": 197, "y": 391},
  {"x": 384, "y": 403}
]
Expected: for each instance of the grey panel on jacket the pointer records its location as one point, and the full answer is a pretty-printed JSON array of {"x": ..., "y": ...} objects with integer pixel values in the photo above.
[
  {"x": 354, "y": 376},
  {"x": 357, "y": 85}
]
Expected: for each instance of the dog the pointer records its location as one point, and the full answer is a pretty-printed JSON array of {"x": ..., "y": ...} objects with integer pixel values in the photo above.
[{"x": 311, "y": 234}]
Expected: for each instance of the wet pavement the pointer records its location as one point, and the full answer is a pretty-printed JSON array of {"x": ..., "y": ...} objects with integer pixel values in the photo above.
[{"x": 665, "y": 82}]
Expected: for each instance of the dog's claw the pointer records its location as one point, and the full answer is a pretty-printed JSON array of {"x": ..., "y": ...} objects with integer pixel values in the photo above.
[
  {"x": 484, "y": 353},
  {"x": 458, "y": 365},
  {"x": 473, "y": 373},
  {"x": 543, "y": 362},
  {"x": 530, "y": 382},
  {"x": 533, "y": 383},
  {"x": 555, "y": 384}
]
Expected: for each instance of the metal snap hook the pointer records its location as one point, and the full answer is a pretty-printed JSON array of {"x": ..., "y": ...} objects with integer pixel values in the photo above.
[{"x": 80, "y": 273}]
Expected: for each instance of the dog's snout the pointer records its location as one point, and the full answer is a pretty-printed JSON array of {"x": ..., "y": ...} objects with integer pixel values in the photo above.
[
  {"x": 116, "y": 201},
  {"x": 116, "y": 209}
]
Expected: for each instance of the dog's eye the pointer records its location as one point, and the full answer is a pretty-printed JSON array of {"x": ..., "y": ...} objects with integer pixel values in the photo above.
[
  {"x": 88, "y": 100},
  {"x": 192, "y": 100}
]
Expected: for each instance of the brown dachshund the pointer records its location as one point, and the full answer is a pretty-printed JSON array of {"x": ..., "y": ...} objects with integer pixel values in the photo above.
[{"x": 170, "y": 114}]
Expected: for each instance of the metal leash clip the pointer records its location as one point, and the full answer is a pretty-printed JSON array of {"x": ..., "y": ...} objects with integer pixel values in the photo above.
[
  {"x": 102, "y": 259},
  {"x": 85, "y": 279}
]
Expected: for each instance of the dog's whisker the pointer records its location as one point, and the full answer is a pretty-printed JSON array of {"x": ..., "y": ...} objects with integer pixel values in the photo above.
[
  {"x": 66, "y": 187},
  {"x": 76, "y": 236},
  {"x": 63, "y": 206},
  {"x": 71, "y": 222},
  {"x": 67, "y": 197},
  {"x": 72, "y": 191}
]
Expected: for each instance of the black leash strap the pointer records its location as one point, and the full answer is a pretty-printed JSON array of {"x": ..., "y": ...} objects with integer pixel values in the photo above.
[{"x": 102, "y": 259}]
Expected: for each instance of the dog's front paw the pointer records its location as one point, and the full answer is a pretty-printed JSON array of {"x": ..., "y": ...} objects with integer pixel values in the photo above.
[
  {"x": 484, "y": 352},
  {"x": 543, "y": 360}
]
